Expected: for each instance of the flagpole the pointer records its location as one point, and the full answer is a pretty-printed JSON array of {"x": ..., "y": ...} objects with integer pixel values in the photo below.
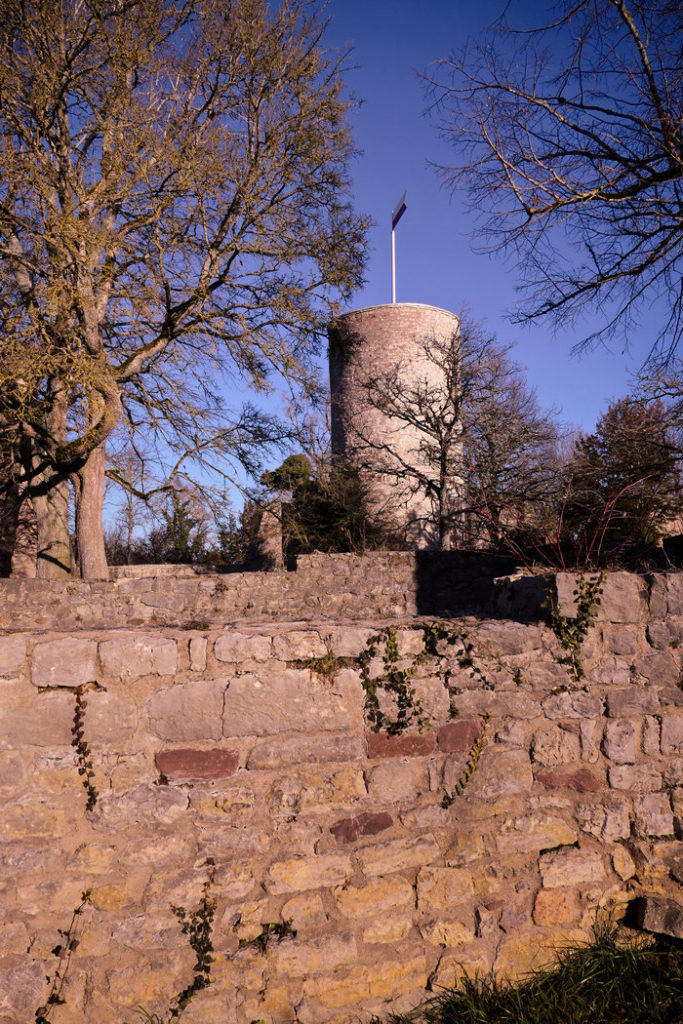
[{"x": 396, "y": 215}]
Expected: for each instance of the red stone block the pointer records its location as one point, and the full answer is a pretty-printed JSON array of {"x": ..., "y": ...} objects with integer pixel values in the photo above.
[
  {"x": 380, "y": 744},
  {"x": 459, "y": 736},
  {"x": 197, "y": 764},
  {"x": 368, "y": 824},
  {"x": 579, "y": 779}
]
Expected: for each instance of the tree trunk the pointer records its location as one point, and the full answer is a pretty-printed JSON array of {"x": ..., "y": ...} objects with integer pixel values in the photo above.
[
  {"x": 52, "y": 519},
  {"x": 89, "y": 531}
]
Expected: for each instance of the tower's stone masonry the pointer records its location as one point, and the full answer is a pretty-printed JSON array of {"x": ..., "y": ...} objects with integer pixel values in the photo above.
[{"x": 365, "y": 346}]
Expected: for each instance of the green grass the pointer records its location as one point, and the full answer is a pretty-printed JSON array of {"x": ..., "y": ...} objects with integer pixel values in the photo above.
[{"x": 605, "y": 982}]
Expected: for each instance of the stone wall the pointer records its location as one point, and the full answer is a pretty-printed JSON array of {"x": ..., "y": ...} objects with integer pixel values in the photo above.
[{"x": 245, "y": 752}]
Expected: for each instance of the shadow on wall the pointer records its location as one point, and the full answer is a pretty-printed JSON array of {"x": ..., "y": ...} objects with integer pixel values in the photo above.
[{"x": 452, "y": 583}]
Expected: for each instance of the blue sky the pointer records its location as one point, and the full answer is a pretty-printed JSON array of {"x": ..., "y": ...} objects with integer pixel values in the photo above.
[{"x": 392, "y": 41}]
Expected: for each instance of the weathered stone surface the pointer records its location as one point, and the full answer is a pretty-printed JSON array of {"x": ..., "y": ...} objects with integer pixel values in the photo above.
[
  {"x": 555, "y": 746},
  {"x": 438, "y": 888},
  {"x": 349, "y": 641},
  {"x": 347, "y": 830},
  {"x": 110, "y": 719},
  {"x": 672, "y": 733},
  {"x": 662, "y": 917},
  {"x": 302, "y": 749},
  {"x": 507, "y": 638},
  {"x": 622, "y": 599},
  {"x": 651, "y": 735},
  {"x": 459, "y": 735},
  {"x": 12, "y": 655},
  {"x": 236, "y": 647},
  {"x": 305, "y": 873},
  {"x": 607, "y": 823},
  {"x": 368, "y": 982},
  {"x": 621, "y": 741},
  {"x": 653, "y": 815},
  {"x": 188, "y": 712},
  {"x": 562, "y": 868},
  {"x": 659, "y": 668},
  {"x": 530, "y": 833},
  {"x": 397, "y": 855},
  {"x": 316, "y": 956},
  {"x": 198, "y": 649},
  {"x": 23, "y": 985},
  {"x": 132, "y": 656},
  {"x": 408, "y": 744},
  {"x": 398, "y": 781},
  {"x": 572, "y": 705},
  {"x": 48, "y": 725},
  {"x": 65, "y": 662},
  {"x": 378, "y": 897},
  {"x": 591, "y": 735},
  {"x": 187, "y": 764},
  {"x": 287, "y": 700},
  {"x": 629, "y": 703},
  {"x": 553, "y": 907},
  {"x": 623, "y": 863},
  {"x": 507, "y": 771},
  {"x": 641, "y": 778},
  {"x": 299, "y": 645}
]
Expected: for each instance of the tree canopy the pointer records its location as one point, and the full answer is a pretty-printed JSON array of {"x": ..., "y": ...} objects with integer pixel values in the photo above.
[
  {"x": 173, "y": 206},
  {"x": 568, "y": 139}
]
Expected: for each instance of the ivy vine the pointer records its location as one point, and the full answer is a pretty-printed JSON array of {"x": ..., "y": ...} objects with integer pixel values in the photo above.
[{"x": 571, "y": 630}]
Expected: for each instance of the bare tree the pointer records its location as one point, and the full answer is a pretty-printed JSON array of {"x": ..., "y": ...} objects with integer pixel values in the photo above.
[
  {"x": 568, "y": 140},
  {"x": 479, "y": 442},
  {"x": 173, "y": 207}
]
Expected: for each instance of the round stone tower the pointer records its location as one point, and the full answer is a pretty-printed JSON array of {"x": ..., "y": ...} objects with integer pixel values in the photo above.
[{"x": 379, "y": 354}]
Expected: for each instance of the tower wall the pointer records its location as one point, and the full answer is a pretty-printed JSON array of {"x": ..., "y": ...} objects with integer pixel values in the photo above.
[{"x": 365, "y": 345}]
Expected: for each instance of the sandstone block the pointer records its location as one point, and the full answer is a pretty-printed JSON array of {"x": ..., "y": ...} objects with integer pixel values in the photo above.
[
  {"x": 438, "y": 889},
  {"x": 672, "y": 733},
  {"x": 110, "y": 719},
  {"x": 651, "y": 735},
  {"x": 238, "y": 647},
  {"x": 409, "y": 744},
  {"x": 530, "y": 833},
  {"x": 555, "y": 746},
  {"x": 590, "y": 733},
  {"x": 288, "y": 700},
  {"x": 572, "y": 705},
  {"x": 631, "y": 702},
  {"x": 450, "y": 934},
  {"x": 641, "y": 778},
  {"x": 459, "y": 736},
  {"x": 378, "y": 897},
  {"x": 198, "y": 649},
  {"x": 303, "y": 873},
  {"x": 397, "y": 781},
  {"x": 155, "y": 806},
  {"x": 307, "y": 914},
  {"x": 653, "y": 815},
  {"x": 303, "y": 749},
  {"x": 368, "y": 981},
  {"x": 621, "y": 740},
  {"x": 397, "y": 855},
  {"x": 623, "y": 863},
  {"x": 67, "y": 662},
  {"x": 500, "y": 773},
  {"x": 189, "y": 711},
  {"x": 659, "y": 668},
  {"x": 508, "y": 638},
  {"x": 323, "y": 955},
  {"x": 349, "y": 641},
  {"x": 466, "y": 847},
  {"x": 563, "y": 868},
  {"x": 12, "y": 655},
  {"x": 622, "y": 599},
  {"x": 188, "y": 764},
  {"x": 553, "y": 907},
  {"x": 11, "y": 768},
  {"x": 45, "y": 723},
  {"x": 23, "y": 985},
  {"x": 130, "y": 657},
  {"x": 347, "y": 830},
  {"x": 607, "y": 823},
  {"x": 299, "y": 645},
  {"x": 658, "y": 635},
  {"x": 660, "y": 916},
  {"x": 621, "y": 641}
]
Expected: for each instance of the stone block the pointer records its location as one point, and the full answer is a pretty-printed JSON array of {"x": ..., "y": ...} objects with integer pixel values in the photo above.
[
  {"x": 623, "y": 863},
  {"x": 590, "y": 733},
  {"x": 390, "y": 928},
  {"x": 23, "y": 983},
  {"x": 315, "y": 956},
  {"x": 608, "y": 672},
  {"x": 672, "y": 733},
  {"x": 304, "y": 873},
  {"x": 553, "y": 907},
  {"x": 449, "y": 933},
  {"x": 439, "y": 889},
  {"x": 187, "y": 764},
  {"x": 652, "y": 814},
  {"x": 239, "y": 647},
  {"x": 299, "y": 645},
  {"x": 347, "y": 830},
  {"x": 605, "y": 823},
  {"x": 12, "y": 655},
  {"x": 622, "y": 599},
  {"x": 529, "y": 833},
  {"x": 407, "y": 744},
  {"x": 354, "y": 986},
  {"x": 198, "y": 648},
  {"x": 189, "y": 711},
  {"x": 572, "y": 705},
  {"x": 306, "y": 749},
  {"x": 640, "y": 778},
  {"x": 658, "y": 635},
  {"x": 378, "y": 897},
  {"x": 652, "y": 730},
  {"x": 621, "y": 641},
  {"x": 621, "y": 740},
  {"x": 397, "y": 781},
  {"x": 499, "y": 773},
  {"x": 11, "y": 768},
  {"x": 631, "y": 702},
  {"x": 320, "y": 790},
  {"x": 45, "y": 722},
  {"x": 349, "y": 641},
  {"x": 130, "y": 657},
  {"x": 288, "y": 700},
  {"x": 306, "y": 912},
  {"x": 660, "y": 916},
  {"x": 563, "y": 868},
  {"x": 459, "y": 736},
  {"x": 66, "y": 662},
  {"x": 555, "y": 746},
  {"x": 659, "y": 668},
  {"x": 397, "y": 855},
  {"x": 466, "y": 847},
  {"x": 110, "y": 719}
]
